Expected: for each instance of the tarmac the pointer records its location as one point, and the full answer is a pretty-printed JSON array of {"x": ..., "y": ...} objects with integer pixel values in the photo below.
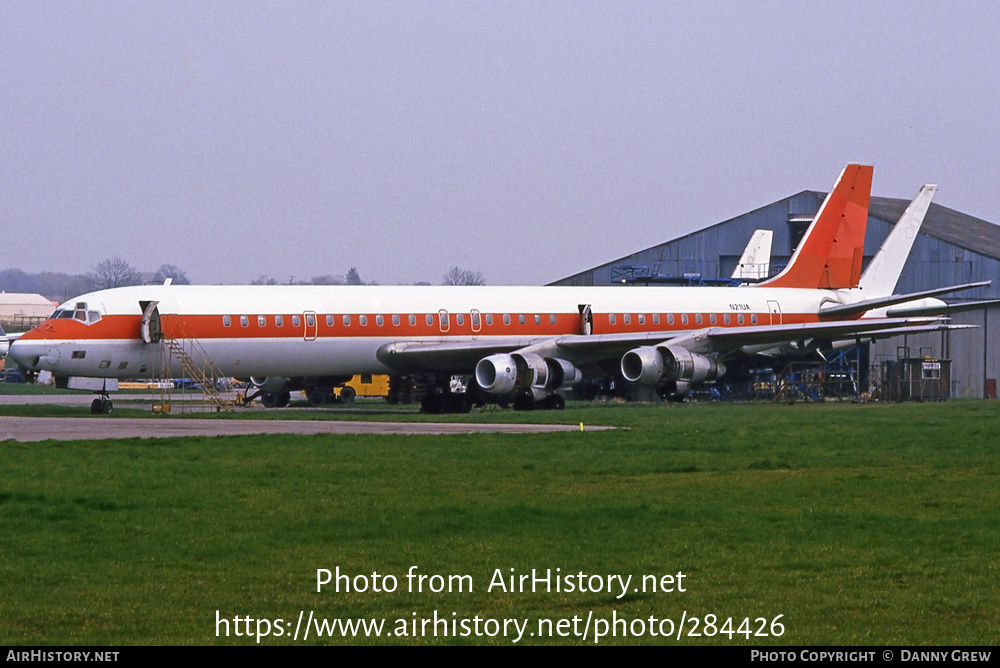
[{"x": 100, "y": 427}]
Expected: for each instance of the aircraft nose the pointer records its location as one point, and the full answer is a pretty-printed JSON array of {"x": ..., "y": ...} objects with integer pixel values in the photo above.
[{"x": 25, "y": 354}]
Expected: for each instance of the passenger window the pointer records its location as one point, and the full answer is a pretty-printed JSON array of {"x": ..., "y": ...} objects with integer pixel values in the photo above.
[
  {"x": 296, "y": 321},
  {"x": 244, "y": 321},
  {"x": 753, "y": 318},
  {"x": 611, "y": 318},
  {"x": 538, "y": 319},
  {"x": 670, "y": 318},
  {"x": 363, "y": 320},
  {"x": 506, "y": 318},
  {"x": 684, "y": 318},
  {"x": 310, "y": 320},
  {"x": 261, "y": 321},
  {"x": 379, "y": 320},
  {"x": 656, "y": 318},
  {"x": 226, "y": 321},
  {"x": 627, "y": 318},
  {"x": 697, "y": 319},
  {"x": 347, "y": 321},
  {"x": 521, "y": 319},
  {"x": 739, "y": 318},
  {"x": 413, "y": 320},
  {"x": 711, "y": 318},
  {"x": 459, "y": 319},
  {"x": 329, "y": 321},
  {"x": 725, "y": 318},
  {"x": 552, "y": 318},
  {"x": 395, "y": 321},
  {"x": 477, "y": 321},
  {"x": 489, "y": 318},
  {"x": 642, "y": 319},
  {"x": 430, "y": 320},
  {"x": 280, "y": 321}
]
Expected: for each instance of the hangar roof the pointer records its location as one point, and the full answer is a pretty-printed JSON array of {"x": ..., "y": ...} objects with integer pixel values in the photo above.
[
  {"x": 24, "y": 299},
  {"x": 942, "y": 223}
]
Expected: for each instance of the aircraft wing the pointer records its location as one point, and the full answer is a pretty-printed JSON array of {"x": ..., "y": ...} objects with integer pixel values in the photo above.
[{"x": 462, "y": 356}]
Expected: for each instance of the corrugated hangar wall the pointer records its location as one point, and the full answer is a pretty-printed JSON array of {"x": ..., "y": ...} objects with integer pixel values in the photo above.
[{"x": 952, "y": 248}]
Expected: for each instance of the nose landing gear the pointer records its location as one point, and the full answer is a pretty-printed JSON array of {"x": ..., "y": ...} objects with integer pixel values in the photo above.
[{"x": 101, "y": 406}]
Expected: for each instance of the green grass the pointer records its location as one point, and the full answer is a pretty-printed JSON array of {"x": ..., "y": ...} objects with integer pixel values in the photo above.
[{"x": 858, "y": 524}]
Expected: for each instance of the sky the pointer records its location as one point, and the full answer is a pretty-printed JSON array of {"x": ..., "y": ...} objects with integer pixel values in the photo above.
[{"x": 525, "y": 140}]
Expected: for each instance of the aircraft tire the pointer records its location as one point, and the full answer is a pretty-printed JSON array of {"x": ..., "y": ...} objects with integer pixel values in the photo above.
[
  {"x": 555, "y": 402},
  {"x": 270, "y": 399},
  {"x": 284, "y": 398},
  {"x": 318, "y": 396},
  {"x": 524, "y": 402}
]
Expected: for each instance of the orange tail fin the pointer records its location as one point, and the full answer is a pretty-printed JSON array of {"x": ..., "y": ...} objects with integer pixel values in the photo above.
[{"x": 830, "y": 253}]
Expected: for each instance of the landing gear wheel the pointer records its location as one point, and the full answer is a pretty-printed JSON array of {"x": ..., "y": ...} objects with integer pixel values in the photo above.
[
  {"x": 318, "y": 396},
  {"x": 284, "y": 398},
  {"x": 554, "y": 402},
  {"x": 101, "y": 407},
  {"x": 347, "y": 395},
  {"x": 524, "y": 402},
  {"x": 270, "y": 399},
  {"x": 432, "y": 404}
]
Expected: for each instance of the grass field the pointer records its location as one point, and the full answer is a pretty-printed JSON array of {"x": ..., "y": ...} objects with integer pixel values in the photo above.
[{"x": 855, "y": 524}]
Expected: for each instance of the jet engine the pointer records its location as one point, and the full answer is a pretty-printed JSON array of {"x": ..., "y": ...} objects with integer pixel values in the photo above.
[
  {"x": 654, "y": 366},
  {"x": 504, "y": 374},
  {"x": 269, "y": 383}
]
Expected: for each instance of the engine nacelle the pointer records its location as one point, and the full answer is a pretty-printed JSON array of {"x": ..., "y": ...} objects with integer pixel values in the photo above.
[
  {"x": 269, "y": 383},
  {"x": 650, "y": 366},
  {"x": 504, "y": 374},
  {"x": 497, "y": 374}
]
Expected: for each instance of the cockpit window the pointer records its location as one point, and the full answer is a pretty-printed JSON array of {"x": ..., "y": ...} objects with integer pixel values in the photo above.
[{"x": 79, "y": 313}]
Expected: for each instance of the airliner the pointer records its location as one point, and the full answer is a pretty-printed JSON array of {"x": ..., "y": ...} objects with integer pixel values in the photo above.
[{"x": 519, "y": 344}]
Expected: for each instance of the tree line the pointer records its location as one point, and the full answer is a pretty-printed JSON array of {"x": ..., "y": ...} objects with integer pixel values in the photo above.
[{"x": 117, "y": 272}]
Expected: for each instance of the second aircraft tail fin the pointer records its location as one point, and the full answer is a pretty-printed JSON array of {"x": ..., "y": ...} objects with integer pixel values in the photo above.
[{"x": 883, "y": 271}]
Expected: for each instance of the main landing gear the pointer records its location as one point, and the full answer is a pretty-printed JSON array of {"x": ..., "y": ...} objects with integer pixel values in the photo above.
[
  {"x": 101, "y": 405},
  {"x": 526, "y": 400},
  {"x": 442, "y": 398}
]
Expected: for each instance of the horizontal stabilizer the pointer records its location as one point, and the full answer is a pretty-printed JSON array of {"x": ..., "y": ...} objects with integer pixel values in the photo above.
[
  {"x": 880, "y": 302},
  {"x": 904, "y": 312},
  {"x": 916, "y": 329}
]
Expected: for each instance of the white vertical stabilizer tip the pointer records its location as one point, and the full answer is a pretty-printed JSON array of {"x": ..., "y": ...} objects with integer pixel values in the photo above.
[
  {"x": 756, "y": 259},
  {"x": 882, "y": 274}
]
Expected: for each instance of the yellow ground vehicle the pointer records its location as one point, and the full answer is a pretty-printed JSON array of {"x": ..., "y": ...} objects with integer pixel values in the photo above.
[{"x": 363, "y": 386}]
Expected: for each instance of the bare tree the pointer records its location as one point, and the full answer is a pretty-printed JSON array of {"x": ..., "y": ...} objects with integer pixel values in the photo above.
[
  {"x": 173, "y": 272},
  {"x": 113, "y": 273},
  {"x": 456, "y": 276}
]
